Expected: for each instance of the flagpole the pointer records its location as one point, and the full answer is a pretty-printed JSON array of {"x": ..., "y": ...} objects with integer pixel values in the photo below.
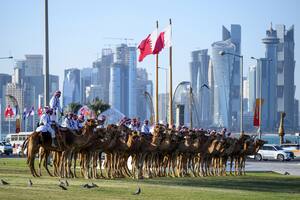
[
  {"x": 33, "y": 117},
  {"x": 156, "y": 86},
  {"x": 9, "y": 124},
  {"x": 0, "y": 120},
  {"x": 171, "y": 83}
]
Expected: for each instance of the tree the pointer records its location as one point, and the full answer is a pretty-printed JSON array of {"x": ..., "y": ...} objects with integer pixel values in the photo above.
[
  {"x": 74, "y": 107},
  {"x": 98, "y": 106}
]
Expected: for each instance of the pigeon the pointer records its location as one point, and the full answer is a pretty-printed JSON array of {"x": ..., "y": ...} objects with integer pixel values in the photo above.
[
  {"x": 87, "y": 186},
  {"x": 29, "y": 183},
  {"x": 61, "y": 182},
  {"x": 62, "y": 187},
  {"x": 138, "y": 191},
  {"x": 66, "y": 183},
  {"x": 94, "y": 185},
  {"x": 4, "y": 182}
]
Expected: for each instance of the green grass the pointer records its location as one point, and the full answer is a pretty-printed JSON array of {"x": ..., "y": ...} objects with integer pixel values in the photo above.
[{"x": 252, "y": 186}]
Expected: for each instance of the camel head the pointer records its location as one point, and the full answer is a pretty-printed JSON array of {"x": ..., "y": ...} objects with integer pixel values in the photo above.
[{"x": 258, "y": 144}]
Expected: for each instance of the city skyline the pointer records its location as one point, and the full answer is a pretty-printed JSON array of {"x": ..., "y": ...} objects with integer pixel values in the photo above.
[{"x": 77, "y": 44}]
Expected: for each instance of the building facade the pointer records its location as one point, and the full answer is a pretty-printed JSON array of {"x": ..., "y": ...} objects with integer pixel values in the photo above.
[
  {"x": 71, "y": 86},
  {"x": 222, "y": 76},
  {"x": 122, "y": 92},
  {"x": 199, "y": 81},
  {"x": 268, "y": 68},
  {"x": 285, "y": 75}
]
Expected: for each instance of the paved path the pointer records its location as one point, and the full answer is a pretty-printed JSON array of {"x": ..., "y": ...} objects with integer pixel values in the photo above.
[{"x": 292, "y": 167}]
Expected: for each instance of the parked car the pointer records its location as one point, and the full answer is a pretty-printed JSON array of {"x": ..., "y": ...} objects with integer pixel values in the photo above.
[
  {"x": 273, "y": 152},
  {"x": 5, "y": 148},
  {"x": 295, "y": 148}
]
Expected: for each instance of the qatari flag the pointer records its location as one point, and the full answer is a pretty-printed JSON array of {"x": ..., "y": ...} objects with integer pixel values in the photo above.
[{"x": 146, "y": 46}]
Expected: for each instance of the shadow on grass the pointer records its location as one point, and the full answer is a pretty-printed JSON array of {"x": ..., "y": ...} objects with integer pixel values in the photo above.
[{"x": 264, "y": 182}]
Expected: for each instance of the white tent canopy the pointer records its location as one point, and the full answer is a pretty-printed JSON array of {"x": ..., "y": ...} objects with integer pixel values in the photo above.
[{"x": 113, "y": 116}]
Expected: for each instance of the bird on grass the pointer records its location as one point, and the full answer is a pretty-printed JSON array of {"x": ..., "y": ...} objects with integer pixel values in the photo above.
[
  {"x": 62, "y": 186},
  {"x": 94, "y": 185},
  {"x": 87, "y": 186},
  {"x": 3, "y": 182},
  {"x": 67, "y": 183},
  {"x": 138, "y": 191},
  {"x": 29, "y": 183}
]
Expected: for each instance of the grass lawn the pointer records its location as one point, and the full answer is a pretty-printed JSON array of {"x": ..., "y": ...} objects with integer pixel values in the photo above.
[{"x": 252, "y": 186}]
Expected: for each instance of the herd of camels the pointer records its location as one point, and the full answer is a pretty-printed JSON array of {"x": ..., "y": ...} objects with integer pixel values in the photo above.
[{"x": 166, "y": 152}]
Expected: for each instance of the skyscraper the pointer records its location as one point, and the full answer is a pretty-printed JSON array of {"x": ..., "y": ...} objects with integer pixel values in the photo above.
[
  {"x": 269, "y": 80},
  {"x": 199, "y": 81},
  {"x": 101, "y": 68},
  {"x": 85, "y": 81},
  {"x": 71, "y": 87},
  {"x": 234, "y": 35},
  {"x": 123, "y": 80},
  {"x": 34, "y": 65},
  {"x": 285, "y": 75},
  {"x": 132, "y": 109},
  {"x": 222, "y": 73}
]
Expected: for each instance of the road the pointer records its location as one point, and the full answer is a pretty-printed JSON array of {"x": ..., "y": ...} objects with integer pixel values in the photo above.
[{"x": 292, "y": 167}]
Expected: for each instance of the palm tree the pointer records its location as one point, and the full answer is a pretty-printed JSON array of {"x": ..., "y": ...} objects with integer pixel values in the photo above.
[
  {"x": 98, "y": 106},
  {"x": 74, "y": 107}
]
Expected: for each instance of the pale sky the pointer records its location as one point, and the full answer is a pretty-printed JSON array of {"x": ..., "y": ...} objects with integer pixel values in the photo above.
[{"x": 78, "y": 29}]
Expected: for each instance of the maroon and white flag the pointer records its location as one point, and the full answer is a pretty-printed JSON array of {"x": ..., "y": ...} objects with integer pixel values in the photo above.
[
  {"x": 147, "y": 45},
  {"x": 164, "y": 40}
]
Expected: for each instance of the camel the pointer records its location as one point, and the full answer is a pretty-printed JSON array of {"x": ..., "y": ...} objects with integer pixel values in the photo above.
[{"x": 66, "y": 141}]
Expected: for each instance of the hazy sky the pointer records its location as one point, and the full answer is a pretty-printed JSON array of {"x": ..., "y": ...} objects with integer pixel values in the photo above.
[{"x": 78, "y": 29}]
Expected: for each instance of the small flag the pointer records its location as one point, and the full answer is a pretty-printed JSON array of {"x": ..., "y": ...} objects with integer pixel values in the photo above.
[
  {"x": 40, "y": 111},
  {"x": 24, "y": 114},
  {"x": 8, "y": 112},
  {"x": 30, "y": 112}
]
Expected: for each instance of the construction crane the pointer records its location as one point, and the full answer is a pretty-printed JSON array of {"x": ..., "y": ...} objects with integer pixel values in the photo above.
[{"x": 121, "y": 39}]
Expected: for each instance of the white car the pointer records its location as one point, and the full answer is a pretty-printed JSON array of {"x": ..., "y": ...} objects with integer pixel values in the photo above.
[
  {"x": 274, "y": 152},
  {"x": 5, "y": 148}
]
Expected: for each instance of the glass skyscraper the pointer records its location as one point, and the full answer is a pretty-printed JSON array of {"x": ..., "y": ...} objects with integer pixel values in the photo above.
[
  {"x": 226, "y": 79},
  {"x": 71, "y": 87},
  {"x": 285, "y": 75},
  {"x": 222, "y": 73},
  {"x": 199, "y": 81}
]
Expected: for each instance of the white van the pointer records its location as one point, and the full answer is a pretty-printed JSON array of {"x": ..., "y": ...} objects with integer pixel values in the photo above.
[{"x": 16, "y": 140}]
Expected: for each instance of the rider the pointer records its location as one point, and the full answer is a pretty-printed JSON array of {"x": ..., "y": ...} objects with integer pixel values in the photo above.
[
  {"x": 68, "y": 121},
  {"x": 80, "y": 121},
  {"x": 133, "y": 125},
  {"x": 45, "y": 124},
  {"x": 145, "y": 127},
  {"x": 55, "y": 105},
  {"x": 101, "y": 121},
  {"x": 75, "y": 122}
]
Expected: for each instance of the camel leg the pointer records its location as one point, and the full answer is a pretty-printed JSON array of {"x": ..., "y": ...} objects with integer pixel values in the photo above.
[
  {"x": 41, "y": 158},
  {"x": 47, "y": 154}
]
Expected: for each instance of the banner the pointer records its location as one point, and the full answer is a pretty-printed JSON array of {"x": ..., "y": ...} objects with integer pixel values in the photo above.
[{"x": 256, "y": 118}]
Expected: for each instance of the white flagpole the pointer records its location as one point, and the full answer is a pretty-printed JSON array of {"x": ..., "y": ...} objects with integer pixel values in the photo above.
[
  {"x": 25, "y": 123},
  {"x": 33, "y": 118}
]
